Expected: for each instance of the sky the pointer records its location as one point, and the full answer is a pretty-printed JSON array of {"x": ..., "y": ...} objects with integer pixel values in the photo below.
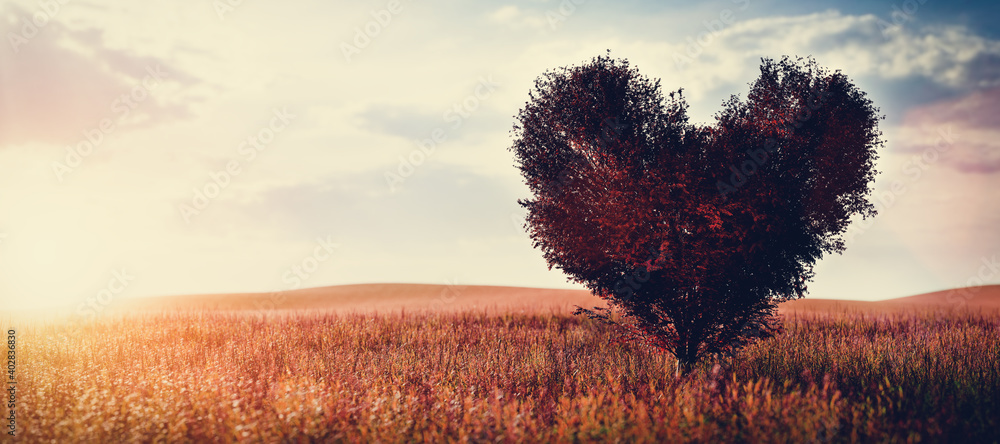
[{"x": 218, "y": 146}]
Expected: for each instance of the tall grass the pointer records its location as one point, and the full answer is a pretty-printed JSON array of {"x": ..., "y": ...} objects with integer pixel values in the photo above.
[{"x": 210, "y": 376}]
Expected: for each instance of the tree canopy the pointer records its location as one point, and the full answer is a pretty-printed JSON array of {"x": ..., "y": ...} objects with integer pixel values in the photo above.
[{"x": 694, "y": 233}]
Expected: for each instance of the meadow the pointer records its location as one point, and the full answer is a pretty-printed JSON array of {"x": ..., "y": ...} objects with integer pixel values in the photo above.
[{"x": 915, "y": 375}]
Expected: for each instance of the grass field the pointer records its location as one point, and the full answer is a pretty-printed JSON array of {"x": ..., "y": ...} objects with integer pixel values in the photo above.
[{"x": 913, "y": 375}]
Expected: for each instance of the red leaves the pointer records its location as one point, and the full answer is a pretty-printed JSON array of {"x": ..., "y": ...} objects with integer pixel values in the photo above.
[{"x": 693, "y": 232}]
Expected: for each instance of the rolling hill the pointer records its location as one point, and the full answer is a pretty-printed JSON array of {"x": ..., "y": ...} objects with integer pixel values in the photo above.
[{"x": 407, "y": 297}]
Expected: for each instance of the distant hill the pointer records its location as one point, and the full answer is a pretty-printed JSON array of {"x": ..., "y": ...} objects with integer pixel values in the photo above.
[
  {"x": 987, "y": 295},
  {"x": 395, "y": 297},
  {"x": 381, "y": 297},
  {"x": 983, "y": 297}
]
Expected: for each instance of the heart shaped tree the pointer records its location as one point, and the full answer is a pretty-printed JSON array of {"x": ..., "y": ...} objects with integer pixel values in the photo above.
[{"x": 693, "y": 234}]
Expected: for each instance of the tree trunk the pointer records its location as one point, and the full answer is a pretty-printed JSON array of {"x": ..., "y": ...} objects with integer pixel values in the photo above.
[{"x": 683, "y": 367}]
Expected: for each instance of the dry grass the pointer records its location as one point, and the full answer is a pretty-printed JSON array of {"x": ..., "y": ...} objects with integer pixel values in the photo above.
[{"x": 217, "y": 377}]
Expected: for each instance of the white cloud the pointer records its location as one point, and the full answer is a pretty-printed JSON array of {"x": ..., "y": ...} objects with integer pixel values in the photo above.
[
  {"x": 505, "y": 14},
  {"x": 949, "y": 55},
  {"x": 515, "y": 18}
]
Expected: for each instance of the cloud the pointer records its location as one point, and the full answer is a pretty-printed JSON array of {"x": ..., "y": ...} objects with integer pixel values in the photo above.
[
  {"x": 514, "y": 18},
  {"x": 970, "y": 122},
  {"x": 438, "y": 204},
  {"x": 399, "y": 121},
  {"x": 949, "y": 55},
  {"x": 505, "y": 13},
  {"x": 59, "y": 83}
]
